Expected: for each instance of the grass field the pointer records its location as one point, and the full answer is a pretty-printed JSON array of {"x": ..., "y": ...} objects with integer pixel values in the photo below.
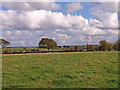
[
  {"x": 61, "y": 70},
  {"x": 22, "y": 49}
]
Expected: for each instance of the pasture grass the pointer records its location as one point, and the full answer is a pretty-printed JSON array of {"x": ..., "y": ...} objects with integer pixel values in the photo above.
[
  {"x": 29, "y": 48},
  {"x": 63, "y": 70}
]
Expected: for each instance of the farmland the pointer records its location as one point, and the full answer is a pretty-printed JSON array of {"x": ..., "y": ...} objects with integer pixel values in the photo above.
[
  {"x": 60, "y": 70},
  {"x": 33, "y": 50}
]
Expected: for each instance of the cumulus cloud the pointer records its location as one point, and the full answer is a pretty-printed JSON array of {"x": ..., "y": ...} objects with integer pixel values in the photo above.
[
  {"x": 107, "y": 13},
  {"x": 106, "y": 7},
  {"x": 28, "y": 27},
  {"x": 62, "y": 37},
  {"x": 72, "y": 7},
  {"x": 31, "y": 5},
  {"x": 47, "y": 20},
  {"x": 40, "y": 19},
  {"x": 44, "y": 20}
]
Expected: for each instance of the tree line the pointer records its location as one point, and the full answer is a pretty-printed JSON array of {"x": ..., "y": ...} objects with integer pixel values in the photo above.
[
  {"x": 103, "y": 45},
  {"x": 51, "y": 44}
]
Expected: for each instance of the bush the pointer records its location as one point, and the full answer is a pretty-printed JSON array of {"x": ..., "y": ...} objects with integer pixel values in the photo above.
[{"x": 5, "y": 52}]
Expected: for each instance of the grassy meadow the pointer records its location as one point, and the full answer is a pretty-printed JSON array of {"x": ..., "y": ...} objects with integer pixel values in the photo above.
[
  {"x": 29, "y": 48},
  {"x": 61, "y": 70}
]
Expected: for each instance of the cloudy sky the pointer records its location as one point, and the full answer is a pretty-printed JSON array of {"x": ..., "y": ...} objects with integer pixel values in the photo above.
[{"x": 75, "y": 23}]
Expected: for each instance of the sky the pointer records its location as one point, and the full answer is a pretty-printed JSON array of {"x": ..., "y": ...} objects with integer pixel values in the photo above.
[{"x": 67, "y": 23}]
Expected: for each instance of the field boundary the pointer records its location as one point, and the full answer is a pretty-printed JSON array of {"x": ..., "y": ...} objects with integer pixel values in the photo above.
[{"x": 57, "y": 53}]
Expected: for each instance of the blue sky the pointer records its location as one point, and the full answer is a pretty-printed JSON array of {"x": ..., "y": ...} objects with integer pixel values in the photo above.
[
  {"x": 3, "y": 8},
  {"x": 24, "y": 24},
  {"x": 84, "y": 12}
]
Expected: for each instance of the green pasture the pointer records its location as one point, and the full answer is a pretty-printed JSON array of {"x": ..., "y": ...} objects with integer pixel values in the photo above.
[
  {"x": 29, "y": 49},
  {"x": 61, "y": 70}
]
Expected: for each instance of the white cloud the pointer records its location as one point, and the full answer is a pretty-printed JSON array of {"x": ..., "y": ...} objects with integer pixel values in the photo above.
[
  {"x": 118, "y": 6},
  {"x": 40, "y": 19},
  {"x": 109, "y": 20},
  {"x": 28, "y": 27},
  {"x": 43, "y": 20},
  {"x": 72, "y": 7},
  {"x": 31, "y": 5},
  {"x": 47, "y": 20},
  {"x": 88, "y": 34},
  {"x": 107, "y": 13},
  {"x": 95, "y": 23},
  {"x": 106, "y": 7},
  {"x": 7, "y": 33}
]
